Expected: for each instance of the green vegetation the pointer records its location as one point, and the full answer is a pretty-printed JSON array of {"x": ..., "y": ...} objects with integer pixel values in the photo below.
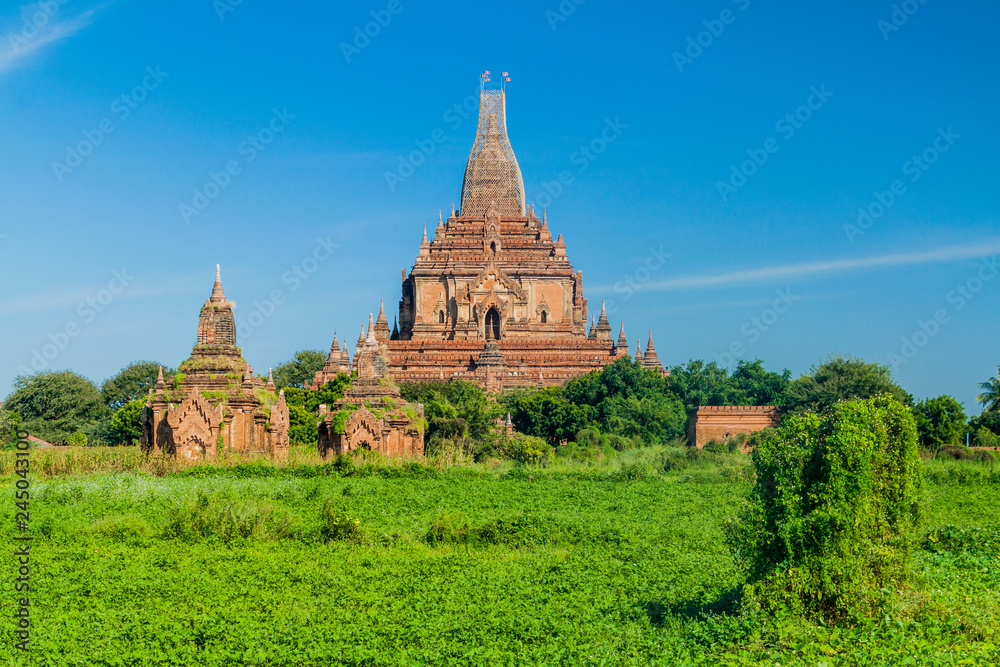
[
  {"x": 940, "y": 421},
  {"x": 300, "y": 370},
  {"x": 131, "y": 383},
  {"x": 53, "y": 406},
  {"x": 622, "y": 562},
  {"x": 990, "y": 398},
  {"x": 842, "y": 379},
  {"x": 833, "y": 514}
]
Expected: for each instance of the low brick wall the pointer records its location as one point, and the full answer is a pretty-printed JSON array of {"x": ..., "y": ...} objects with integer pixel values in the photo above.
[{"x": 722, "y": 422}]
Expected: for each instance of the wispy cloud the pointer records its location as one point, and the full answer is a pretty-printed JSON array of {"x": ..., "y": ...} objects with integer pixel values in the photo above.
[
  {"x": 37, "y": 27},
  {"x": 785, "y": 272}
]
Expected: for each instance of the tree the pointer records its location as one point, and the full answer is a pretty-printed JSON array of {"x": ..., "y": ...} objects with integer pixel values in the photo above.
[
  {"x": 546, "y": 413},
  {"x": 55, "y": 405},
  {"x": 125, "y": 425},
  {"x": 990, "y": 398},
  {"x": 842, "y": 379},
  {"x": 300, "y": 371},
  {"x": 699, "y": 384},
  {"x": 834, "y": 511},
  {"x": 752, "y": 384},
  {"x": 131, "y": 383},
  {"x": 940, "y": 421},
  {"x": 454, "y": 409},
  {"x": 303, "y": 407},
  {"x": 10, "y": 424}
]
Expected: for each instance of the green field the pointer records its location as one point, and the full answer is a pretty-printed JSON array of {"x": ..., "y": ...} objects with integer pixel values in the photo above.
[{"x": 618, "y": 563}]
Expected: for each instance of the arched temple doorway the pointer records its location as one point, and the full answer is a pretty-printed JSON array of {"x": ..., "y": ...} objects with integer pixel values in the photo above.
[{"x": 492, "y": 324}]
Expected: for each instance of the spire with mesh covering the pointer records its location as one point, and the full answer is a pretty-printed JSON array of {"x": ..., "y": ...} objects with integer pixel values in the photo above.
[{"x": 492, "y": 173}]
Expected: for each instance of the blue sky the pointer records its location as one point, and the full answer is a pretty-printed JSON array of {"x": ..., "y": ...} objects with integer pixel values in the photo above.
[{"x": 715, "y": 157}]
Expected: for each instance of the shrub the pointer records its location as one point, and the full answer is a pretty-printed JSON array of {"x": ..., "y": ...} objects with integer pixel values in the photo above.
[
  {"x": 833, "y": 514},
  {"x": 77, "y": 439},
  {"x": 338, "y": 524},
  {"x": 986, "y": 438},
  {"x": 528, "y": 449}
]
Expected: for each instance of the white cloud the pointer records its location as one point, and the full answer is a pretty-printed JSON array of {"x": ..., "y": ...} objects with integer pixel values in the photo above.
[
  {"x": 786, "y": 272},
  {"x": 36, "y": 28}
]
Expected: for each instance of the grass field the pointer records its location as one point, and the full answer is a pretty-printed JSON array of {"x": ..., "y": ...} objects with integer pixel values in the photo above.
[{"x": 616, "y": 563}]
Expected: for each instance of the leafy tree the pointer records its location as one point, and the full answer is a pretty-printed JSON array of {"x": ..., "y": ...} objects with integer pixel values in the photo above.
[
  {"x": 842, "y": 379},
  {"x": 10, "y": 424},
  {"x": 55, "y": 405},
  {"x": 454, "y": 409},
  {"x": 834, "y": 512},
  {"x": 131, "y": 383},
  {"x": 546, "y": 413},
  {"x": 300, "y": 371},
  {"x": 989, "y": 420},
  {"x": 990, "y": 398},
  {"x": 698, "y": 383},
  {"x": 125, "y": 426},
  {"x": 303, "y": 407},
  {"x": 940, "y": 421},
  {"x": 752, "y": 384}
]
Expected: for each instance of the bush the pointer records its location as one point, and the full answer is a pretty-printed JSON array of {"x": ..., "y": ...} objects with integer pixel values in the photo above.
[
  {"x": 77, "y": 439},
  {"x": 528, "y": 449},
  {"x": 986, "y": 438},
  {"x": 338, "y": 524},
  {"x": 833, "y": 515}
]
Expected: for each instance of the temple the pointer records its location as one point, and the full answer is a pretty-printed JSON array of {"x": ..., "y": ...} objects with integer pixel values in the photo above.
[
  {"x": 372, "y": 415},
  {"x": 215, "y": 403},
  {"x": 491, "y": 297}
]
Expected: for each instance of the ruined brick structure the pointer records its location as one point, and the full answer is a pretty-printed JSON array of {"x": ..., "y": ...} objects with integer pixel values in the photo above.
[
  {"x": 372, "y": 415},
  {"x": 722, "y": 422},
  {"x": 493, "y": 299},
  {"x": 215, "y": 403}
]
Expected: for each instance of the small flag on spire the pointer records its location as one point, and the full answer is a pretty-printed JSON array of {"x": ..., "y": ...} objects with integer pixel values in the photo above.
[{"x": 504, "y": 74}]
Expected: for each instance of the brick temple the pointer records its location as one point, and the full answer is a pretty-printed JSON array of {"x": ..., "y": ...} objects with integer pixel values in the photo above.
[
  {"x": 215, "y": 403},
  {"x": 492, "y": 298}
]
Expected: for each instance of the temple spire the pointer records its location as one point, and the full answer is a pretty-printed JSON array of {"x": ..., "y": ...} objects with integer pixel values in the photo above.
[
  {"x": 217, "y": 294},
  {"x": 269, "y": 385},
  {"x": 160, "y": 384},
  {"x": 492, "y": 173},
  {"x": 622, "y": 340}
]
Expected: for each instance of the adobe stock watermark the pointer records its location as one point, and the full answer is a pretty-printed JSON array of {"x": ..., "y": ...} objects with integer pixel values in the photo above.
[
  {"x": 914, "y": 168},
  {"x": 381, "y": 18},
  {"x": 256, "y": 143},
  {"x": 121, "y": 108},
  {"x": 294, "y": 277},
  {"x": 582, "y": 158},
  {"x": 899, "y": 17},
  {"x": 787, "y": 126},
  {"x": 86, "y": 312},
  {"x": 757, "y": 326},
  {"x": 32, "y": 23},
  {"x": 22, "y": 540},
  {"x": 696, "y": 44},
  {"x": 957, "y": 298},
  {"x": 633, "y": 282},
  {"x": 454, "y": 116},
  {"x": 561, "y": 13},
  {"x": 223, "y": 7}
]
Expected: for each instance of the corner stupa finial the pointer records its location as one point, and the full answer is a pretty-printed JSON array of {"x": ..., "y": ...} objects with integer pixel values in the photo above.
[{"x": 217, "y": 294}]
